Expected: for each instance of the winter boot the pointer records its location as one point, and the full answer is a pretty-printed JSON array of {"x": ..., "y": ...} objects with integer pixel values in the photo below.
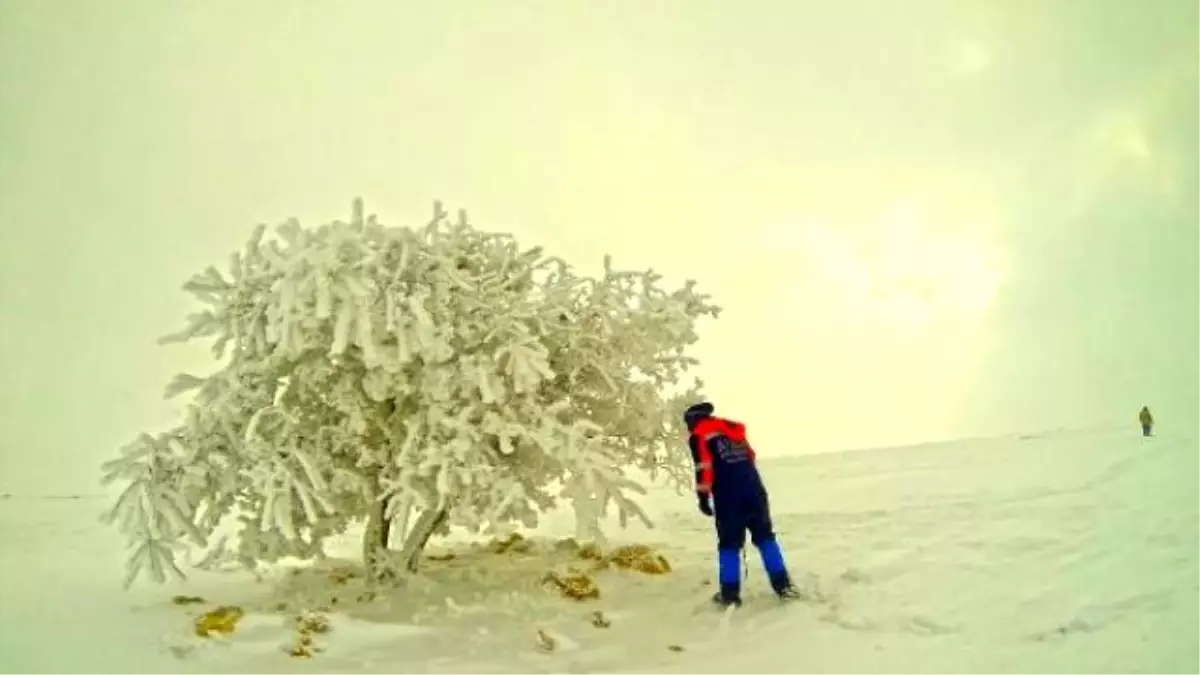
[
  {"x": 730, "y": 594},
  {"x": 782, "y": 584}
]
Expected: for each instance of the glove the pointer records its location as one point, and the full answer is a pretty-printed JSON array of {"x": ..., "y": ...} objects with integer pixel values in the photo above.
[{"x": 704, "y": 503}]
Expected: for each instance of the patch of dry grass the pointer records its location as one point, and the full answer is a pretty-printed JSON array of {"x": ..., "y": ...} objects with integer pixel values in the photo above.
[
  {"x": 573, "y": 584},
  {"x": 220, "y": 621},
  {"x": 308, "y": 626}
]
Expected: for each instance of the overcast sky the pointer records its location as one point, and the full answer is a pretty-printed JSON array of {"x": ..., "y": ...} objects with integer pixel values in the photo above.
[{"x": 925, "y": 218}]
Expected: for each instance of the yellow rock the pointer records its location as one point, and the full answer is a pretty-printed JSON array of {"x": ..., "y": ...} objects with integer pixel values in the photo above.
[{"x": 222, "y": 620}]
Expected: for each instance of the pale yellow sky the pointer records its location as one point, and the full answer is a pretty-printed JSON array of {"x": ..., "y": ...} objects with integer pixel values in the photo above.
[{"x": 925, "y": 218}]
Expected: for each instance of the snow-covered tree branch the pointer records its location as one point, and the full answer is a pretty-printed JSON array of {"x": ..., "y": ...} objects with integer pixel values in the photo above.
[{"x": 371, "y": 372}]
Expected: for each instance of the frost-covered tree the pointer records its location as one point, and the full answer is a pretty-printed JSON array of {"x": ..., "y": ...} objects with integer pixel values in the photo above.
[{"x": 414, "y": 379}]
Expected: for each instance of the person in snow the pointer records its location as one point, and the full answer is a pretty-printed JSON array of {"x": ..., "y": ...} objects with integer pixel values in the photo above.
[
  {"x": 1147, "y": 420},
  {"x": 729, "y": 489}
]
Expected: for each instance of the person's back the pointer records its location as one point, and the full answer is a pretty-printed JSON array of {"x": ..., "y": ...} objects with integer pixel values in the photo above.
[{"x": 722, "y": 444}]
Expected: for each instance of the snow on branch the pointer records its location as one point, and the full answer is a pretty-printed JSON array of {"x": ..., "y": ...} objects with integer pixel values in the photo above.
[{"x": 443, "y": 368}]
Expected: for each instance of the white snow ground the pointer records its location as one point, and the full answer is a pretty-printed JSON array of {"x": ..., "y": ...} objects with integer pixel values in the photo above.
[{"x": 1065, "y": 552}]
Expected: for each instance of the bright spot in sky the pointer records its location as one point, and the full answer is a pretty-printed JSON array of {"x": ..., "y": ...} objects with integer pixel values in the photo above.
[
  {"x": 1116, "y": 149},
  {"x": 1123, "y": 136},
  {"x": 916, "y": 263},
  {"x": 970, "y": 57}
]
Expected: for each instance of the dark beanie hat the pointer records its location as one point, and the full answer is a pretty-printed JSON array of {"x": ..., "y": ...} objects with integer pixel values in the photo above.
[{"x": 697, "y": 412}]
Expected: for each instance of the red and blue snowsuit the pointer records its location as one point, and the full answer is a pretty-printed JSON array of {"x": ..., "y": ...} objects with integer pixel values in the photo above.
[{"x": 726, "y": 474}]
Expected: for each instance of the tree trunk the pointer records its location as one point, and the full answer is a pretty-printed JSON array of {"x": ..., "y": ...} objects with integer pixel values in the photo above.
[
  {"x": 375, "y": 540},
  {"x": 402, "y": 509},
  {"x": 385, "y": 528},
  {"x": 587, "y": 507},
  {"x": 414, "y": 544}
]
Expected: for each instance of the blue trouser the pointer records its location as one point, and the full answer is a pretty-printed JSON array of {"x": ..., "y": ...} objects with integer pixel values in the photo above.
[{"x": 735, "y": 514}]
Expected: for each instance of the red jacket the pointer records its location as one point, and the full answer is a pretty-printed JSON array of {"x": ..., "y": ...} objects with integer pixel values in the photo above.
[{"x": 722, "y": 454}]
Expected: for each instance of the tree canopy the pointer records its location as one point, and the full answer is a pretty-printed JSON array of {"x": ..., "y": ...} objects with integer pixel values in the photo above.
[{"x": 373, "y": 372}]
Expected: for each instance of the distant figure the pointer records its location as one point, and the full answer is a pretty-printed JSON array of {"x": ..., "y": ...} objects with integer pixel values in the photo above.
[
  {"x": 728, "y": 487},
  {"x": 1147, "y": 420}
]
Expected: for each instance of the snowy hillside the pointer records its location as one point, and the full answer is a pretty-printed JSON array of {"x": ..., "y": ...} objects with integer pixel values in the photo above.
[{"x": 1064, "y": 552}]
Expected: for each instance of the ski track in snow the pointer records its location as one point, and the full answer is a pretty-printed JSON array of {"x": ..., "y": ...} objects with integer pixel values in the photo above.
[{"x": 1067, "y": 552}]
